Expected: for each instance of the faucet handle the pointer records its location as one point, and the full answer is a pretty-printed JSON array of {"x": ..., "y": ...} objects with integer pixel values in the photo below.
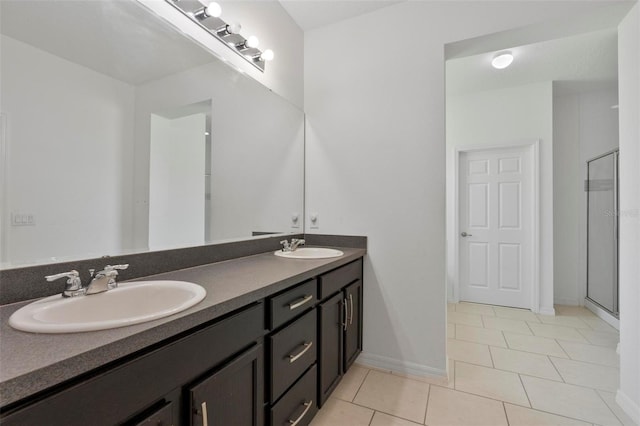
[
  {"x": 112, "y": 269},
  {"x": 285, "y": 245},
  {"x": 74, "y": 285},
  {"x": 71, "y": 275}
]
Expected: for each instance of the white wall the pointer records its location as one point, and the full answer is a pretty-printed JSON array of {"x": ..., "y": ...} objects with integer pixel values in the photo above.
[
  {"x": 584, "y": 126},
  {"x": 54, "y": 107},
  {"x": 375, "y": 109},
  {"x": 629, "y": 93},
  {"x": 499, "y": 117},
  {"x": 176, "y": 181},
  {"x": 257, "y": 150}
]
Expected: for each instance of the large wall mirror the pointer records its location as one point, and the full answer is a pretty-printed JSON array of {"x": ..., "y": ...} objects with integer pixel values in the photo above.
[{"x": 119, "y": 135}]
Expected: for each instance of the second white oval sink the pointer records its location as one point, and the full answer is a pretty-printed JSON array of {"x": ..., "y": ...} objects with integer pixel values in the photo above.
[
  {"x": 310, "y": 253},
  {"x": 130, "y": 303}
]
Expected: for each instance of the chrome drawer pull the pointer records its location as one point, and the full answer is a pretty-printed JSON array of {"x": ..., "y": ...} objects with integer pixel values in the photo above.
[
  {"x": 205, "y": 417},
  {"x": 294, "y": 358},
  {"x": 304, "y": 300},
  {"x": 346, "y": 314},
  {"x": 351, "y": 303},
  {"x": 304, "y": 413}
]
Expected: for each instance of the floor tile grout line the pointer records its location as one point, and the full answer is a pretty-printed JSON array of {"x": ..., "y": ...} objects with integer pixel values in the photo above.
[
  {"x": 562, "y": 347},
  {"x": 372, "y": 416},
  {"x": 381, "y": 411},
  {"x": 557, "y": 341},
  {"x": 519, "y": 405},
  {"x": 525, "y": 391},
  {"x": 607, "y": 405},
  {"x": 530, "y": 329},
  {"x": 551, "y": 413},
  {"x": 556, "y": 368},
  {"x": 362, "y": 383},
  {"x": 527, "y": 375},
  {"x": 493, "y": 364},
  {"x": 531, "y": 407},
  {"x": 426, "y": 408},
  {"x": 506, "y": 416},
  {"x": 479, "y": 343}
]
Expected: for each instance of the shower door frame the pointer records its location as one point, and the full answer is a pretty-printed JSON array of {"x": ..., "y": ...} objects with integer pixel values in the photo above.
[{"x": 616, "y": 301}]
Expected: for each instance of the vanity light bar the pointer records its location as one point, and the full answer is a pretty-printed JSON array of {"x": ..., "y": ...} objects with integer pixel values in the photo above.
[{"x": 207, "y": 16}]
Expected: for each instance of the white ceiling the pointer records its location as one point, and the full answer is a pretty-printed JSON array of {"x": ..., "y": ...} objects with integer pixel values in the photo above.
[
  {"x": 104, "y": 36},
  {"x": 578, "y": 63},
  {"x": 310, "y": 14}
]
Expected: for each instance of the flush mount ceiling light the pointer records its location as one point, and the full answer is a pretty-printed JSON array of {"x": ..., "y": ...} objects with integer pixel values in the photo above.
[
  {"x": 207, "y": 15},
  {"x": 502, "y": 60}
]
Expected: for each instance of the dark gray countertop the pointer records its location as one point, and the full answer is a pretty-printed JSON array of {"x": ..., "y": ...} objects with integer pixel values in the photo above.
[{"x": 31, "y": 362}]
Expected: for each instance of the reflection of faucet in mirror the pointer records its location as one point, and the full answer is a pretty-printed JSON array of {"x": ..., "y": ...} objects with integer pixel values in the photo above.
[
  {"x": 289, "y": 247},
  {"x": 102, "y": 281}
]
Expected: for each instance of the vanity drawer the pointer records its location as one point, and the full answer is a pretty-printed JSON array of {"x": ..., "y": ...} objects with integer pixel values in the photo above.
[
  {"x": 293, "y": 350},
  {"x": 335, "y": 280},
  {"x": 298, "y": 406},
  {"x": 291, "y": 303}
]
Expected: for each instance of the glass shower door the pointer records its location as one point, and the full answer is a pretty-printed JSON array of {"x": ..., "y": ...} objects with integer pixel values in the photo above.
[{"x": 602, "y": 231}]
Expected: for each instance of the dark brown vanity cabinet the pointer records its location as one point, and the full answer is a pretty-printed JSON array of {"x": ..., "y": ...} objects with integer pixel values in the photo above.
[
  {"x": 220, "y": 364},
  {"x": 273, "y": 362},
  {"x": 162, "y": 416},
  {"x": 232, "y": 395},
  {"x": 339, "y": 325}
]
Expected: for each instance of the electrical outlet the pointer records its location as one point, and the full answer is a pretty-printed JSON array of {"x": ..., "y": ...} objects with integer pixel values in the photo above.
[
  {"x": 23, "y": 219},
  {"x": 315, "y": 221}
]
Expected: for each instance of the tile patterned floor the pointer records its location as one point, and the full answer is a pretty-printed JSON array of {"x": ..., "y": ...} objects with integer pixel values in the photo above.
[{"x": 507, "y": 367}]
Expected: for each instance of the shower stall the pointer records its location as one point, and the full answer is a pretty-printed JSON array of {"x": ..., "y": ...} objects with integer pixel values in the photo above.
[{"x": 602, "y": 231}]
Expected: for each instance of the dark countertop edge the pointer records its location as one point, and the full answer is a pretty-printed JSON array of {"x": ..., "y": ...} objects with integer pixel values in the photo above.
[{"x": 41, "y": 380}]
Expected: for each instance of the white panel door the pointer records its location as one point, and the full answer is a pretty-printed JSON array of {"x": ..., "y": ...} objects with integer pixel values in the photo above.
[{"x": 495, "y": 241}]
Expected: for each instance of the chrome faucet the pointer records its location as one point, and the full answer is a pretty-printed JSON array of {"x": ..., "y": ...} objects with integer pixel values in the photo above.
[
  {"x": 101, "y": 282},
  {"x": 106, "y": 278},
  {"x": 296, "y": 242},
  {"x": 291, "y": 247}
]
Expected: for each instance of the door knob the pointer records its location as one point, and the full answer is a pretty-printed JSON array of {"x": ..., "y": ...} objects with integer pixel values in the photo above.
[{"x": 464, "y": 234}]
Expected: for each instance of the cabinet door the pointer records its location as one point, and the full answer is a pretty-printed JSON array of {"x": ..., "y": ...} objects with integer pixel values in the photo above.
[
  {"x": 353, "y": 332},
  {"x": 233, "y": 395},
  {"x": 330, "y": 319},
  {"x": 163, "y": 416}
]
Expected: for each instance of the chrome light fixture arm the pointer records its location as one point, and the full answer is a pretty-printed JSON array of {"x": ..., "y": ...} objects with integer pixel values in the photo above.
[{"x": 207, "y": 16}]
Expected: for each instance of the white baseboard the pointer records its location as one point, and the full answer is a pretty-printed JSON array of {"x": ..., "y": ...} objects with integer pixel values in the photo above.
[
  {"x": 547, "y": 311},
  {"x": 602, "y": 314},
  {"x": 398, "y": 366},
  {"x": 631, "y": 408},
  {"x": 564, "y": 301}
]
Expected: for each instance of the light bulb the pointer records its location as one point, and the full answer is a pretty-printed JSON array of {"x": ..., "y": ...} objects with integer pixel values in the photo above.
[
  {"x": 213, "y": 9},
  {"x": 502, "y": 60},
  {"x": 267, "y": 55},
  {"x": 234, "y": 28},
  {"x": 252, "y": 42}
]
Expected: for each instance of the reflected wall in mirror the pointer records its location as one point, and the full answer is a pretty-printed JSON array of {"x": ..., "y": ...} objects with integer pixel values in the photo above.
[{"x": 121, "y": 135}]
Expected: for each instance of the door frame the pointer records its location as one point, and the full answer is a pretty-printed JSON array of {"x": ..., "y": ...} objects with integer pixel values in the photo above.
[{"x": 534, "y": 150}]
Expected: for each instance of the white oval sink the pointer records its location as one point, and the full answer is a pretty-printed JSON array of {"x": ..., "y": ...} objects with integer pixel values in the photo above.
[
  {"x": 130, "y": 303},
  {"x": 310, "y": 253}
]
